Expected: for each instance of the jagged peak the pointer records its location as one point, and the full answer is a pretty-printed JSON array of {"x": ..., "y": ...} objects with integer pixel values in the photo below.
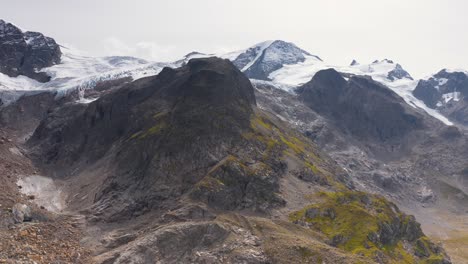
[
  {"x": 262, "y": 59},
  {"x": 398, "y": 73},
  {"x": 388, "y": 61},
  {"x": 291, "y": 44},
  {"x": 354, "y": 63},
  {"x": 6, "y": 27},
  {"x": 383, "y": 61},
  {"x": 27, "y": 53}
]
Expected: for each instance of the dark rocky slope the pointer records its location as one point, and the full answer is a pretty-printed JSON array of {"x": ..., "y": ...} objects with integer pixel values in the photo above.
[{"x": 361, "y": 106}]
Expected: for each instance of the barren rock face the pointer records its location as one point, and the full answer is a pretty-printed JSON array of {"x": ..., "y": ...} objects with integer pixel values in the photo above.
[{"x": 26, "y": 53}]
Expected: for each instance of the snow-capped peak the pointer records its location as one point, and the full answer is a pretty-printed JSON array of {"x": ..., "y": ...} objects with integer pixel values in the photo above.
[
  {"x": 246, "y": 59},
  {"x": 260, "y": 60}
]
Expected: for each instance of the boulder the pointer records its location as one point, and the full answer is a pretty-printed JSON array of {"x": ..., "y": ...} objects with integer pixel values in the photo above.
[{"x": 21, "y": 213}]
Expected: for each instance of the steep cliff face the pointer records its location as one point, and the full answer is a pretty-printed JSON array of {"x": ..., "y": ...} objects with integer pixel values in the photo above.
[{"x": 26, "y": 53}]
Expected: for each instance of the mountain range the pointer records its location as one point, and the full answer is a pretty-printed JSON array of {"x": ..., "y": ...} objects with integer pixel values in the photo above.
[{"x": 263, "y": 155}]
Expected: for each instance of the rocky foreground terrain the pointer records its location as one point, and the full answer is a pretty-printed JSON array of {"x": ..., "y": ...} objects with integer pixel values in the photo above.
[{"x": 197, "y": 163}]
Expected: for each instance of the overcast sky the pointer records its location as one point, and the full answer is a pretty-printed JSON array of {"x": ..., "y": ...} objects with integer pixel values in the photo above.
[{"x": 423, "y": 35}]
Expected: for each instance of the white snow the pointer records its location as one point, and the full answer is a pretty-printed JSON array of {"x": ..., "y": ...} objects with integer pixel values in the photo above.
[
  {"x": 17, "y": 83},
  {"x": 82, "y": 72},
  {"x": 83, "y": 100},
  {"x": 230, "y": 55},
  {"x": 455, "y": 96},
  {"x": 285, "y": 87},
  {"x": 442, "y": 81},
  {"x": 196, "y": 55},
  {"x": 299, "y": 73}
]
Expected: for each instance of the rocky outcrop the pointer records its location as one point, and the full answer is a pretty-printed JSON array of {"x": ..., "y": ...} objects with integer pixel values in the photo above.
[
  {"x": 26, "y": 53},
  {"x": 440, "y": 89},
  {"x": 446, "y": 91},
  {"x": 21, "y": 213}
]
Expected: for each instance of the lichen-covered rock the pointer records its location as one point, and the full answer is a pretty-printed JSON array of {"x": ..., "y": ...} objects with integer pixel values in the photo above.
[{"x": 369, "y": 225}]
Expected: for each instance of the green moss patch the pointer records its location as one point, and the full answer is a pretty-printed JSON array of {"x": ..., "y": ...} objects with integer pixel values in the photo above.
[{"x": 355, "y": 222}]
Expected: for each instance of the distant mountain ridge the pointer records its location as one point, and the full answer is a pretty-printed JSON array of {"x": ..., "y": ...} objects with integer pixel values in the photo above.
[{"x": 280, "y": 62}]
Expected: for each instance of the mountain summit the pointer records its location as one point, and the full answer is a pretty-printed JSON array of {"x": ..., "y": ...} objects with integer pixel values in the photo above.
[
  {"x": 264, "y": 58},
  {"x": 25, "y": 53}
]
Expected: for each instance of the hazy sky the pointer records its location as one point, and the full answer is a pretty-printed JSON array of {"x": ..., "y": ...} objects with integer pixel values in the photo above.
[{"x": 423, "y": 35}]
